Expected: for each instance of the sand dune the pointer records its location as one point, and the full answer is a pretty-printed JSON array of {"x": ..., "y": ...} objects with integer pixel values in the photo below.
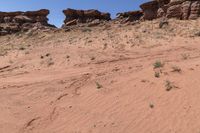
[{"x": 106, "y": 79}]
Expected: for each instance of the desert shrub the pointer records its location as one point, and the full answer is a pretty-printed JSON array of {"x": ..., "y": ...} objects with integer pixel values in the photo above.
[
  {"x": 158, "y": 64},
  {"x": 168, "y": 85},
  {"x": 176, "y": 69},
  {"x": 157, "y": 74},
  {"x": 98, "y": 85}
]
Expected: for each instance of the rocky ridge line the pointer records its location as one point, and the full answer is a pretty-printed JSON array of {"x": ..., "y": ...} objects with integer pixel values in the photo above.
[
  {"x": 12, "y": 22},
  {"x": 91, "y": 17}
]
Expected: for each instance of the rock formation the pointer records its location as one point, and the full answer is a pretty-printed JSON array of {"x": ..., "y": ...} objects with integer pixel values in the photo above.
[
  {"x": 150, "y": 10},
  {"x": 129, "y": 16},
  {"x": 183, "y": 9},
  {"x": 74, "y": 17},
  {"x": 180, "y": 9},
  {"x": 162, "y": 2},
  {"x": 11, "y": 22}
]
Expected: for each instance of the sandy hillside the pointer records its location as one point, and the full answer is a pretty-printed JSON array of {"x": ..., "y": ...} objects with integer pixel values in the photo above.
[{"x": 106, "y": 79}]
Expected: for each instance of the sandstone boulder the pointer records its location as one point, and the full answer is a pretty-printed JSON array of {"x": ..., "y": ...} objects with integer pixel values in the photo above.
[
  {"x": 130, "y": 16},
  {"x": 22, "y": 19},
  {"x": 94, "y": 23},
  {"x": 105, "y": 16},
  {"x": 74, "y": 17},
  {"x": 72, "y": 22},
  {"x": 150, "y": 10}
]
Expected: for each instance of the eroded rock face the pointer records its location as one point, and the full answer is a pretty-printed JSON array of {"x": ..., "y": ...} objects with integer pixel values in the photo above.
[
  {"x": 130, "y": 16},
  {"x": 194, "y": 10},
  {"x": 150, "y": 10},
  {"x": 74, "y": 17},
  {"x": 11, "y": 22},
  {"x": 180, "y": 9},
  {"x": 163, "y": 2},
  {"x": 184, "y": 9}
]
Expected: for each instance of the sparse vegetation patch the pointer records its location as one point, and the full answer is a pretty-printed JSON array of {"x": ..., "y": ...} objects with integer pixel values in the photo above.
[
  {"x": 98, "y": 85},
  {"x": 158, "y": 64},
  {"x": 176, "y": 69},
  {"x": 157, "y": 74},
  {"x": 185, "y": 56},
  {"x": 169, "y": 85}
]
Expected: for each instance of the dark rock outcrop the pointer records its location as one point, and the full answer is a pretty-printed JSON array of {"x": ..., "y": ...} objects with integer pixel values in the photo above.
[
  {"x": 183, "y": 9},
  {"x": 74, "y": 17},
  {"x": 12, "y": 22},
  {"x": 150, "y": 10},
  {"x": 180, "y": 9},
  {"x": 163, "y": 2},
  {"x": 129, "y": 16}
]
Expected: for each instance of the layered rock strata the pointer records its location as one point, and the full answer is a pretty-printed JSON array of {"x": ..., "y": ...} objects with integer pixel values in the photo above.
[
  {"x": 93, "y": 17},
  {"x": 12, "y": 22}
]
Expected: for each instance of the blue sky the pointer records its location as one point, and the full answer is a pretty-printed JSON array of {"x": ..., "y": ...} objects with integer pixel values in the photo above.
[{"x": 56, "y": 16}]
